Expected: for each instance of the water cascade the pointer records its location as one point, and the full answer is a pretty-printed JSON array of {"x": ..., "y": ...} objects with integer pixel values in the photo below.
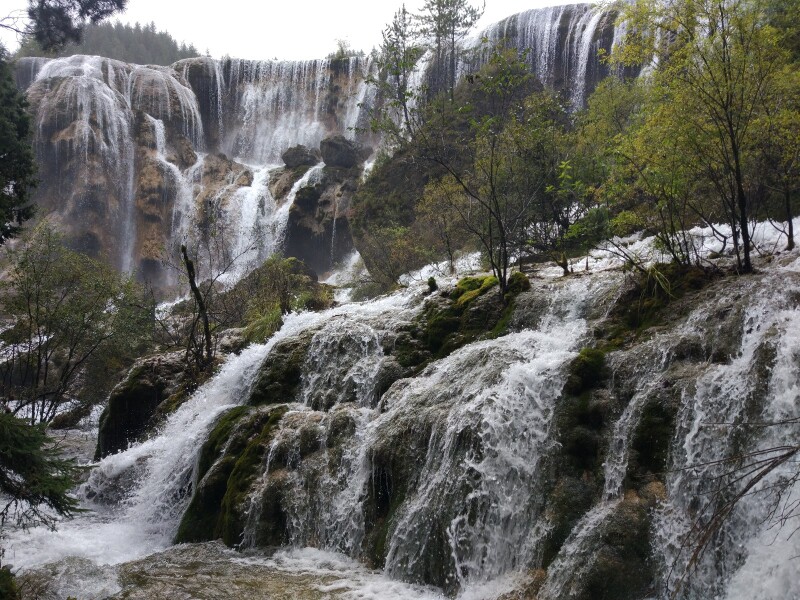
[
  {"x": 562, "y": 45},
  {"x": 445, "y": 476}
]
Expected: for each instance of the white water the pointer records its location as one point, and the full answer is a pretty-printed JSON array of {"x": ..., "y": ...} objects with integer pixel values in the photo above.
[
  {"x": 719, "y": 419},
  {"x": 561, "y": 43},
  {"x": 155, "y": 474}
]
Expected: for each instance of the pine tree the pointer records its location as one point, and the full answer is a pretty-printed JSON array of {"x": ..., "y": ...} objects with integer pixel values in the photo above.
[{"x": 17, "y": 167}]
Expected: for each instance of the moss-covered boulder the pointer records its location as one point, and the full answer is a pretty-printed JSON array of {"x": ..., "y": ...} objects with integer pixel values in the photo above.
[
  {"x": 587, "y": 371},
  {"x": 279, "y": 376},
  {"x": 134, "y": 401},
  {"x": 621, "y": 568},
  {"x": 230, "y": 460}
]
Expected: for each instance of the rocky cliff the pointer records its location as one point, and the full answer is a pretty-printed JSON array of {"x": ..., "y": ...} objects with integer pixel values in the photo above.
[{"x": 135, "y": 160}]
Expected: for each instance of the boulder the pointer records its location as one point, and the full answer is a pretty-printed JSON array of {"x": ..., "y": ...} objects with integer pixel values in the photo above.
[
  {"x": 133, "y": 402},
  {"x": 298, "y": 156},
  {"x": 338, "y": 151}
]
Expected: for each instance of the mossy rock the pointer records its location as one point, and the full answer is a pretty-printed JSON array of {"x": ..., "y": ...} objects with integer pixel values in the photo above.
[
  {"x": 224, "y": 481},
  {"x": 649, "y": 447},
  {"x": 642, "y": 305},
  {"x": 133, "y": 402},
  {"x": 570, "y": 499},
  {"x": 587, "y": 371},
  {"x": 621, "y": 569},
  {"x": 469, "y": 288},
  {"x": 281, "y": 372},
  {"x": 517, "y": 283}
]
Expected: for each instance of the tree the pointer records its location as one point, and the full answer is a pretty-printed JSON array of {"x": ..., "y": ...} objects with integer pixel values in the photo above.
[
  {"x": 121, "y": 42},
  {"x": 438, "y": 221},
  {"x": 398, "y": 56},
  {"x": 33, "y": 480},
  {"x": 65, "y": 309},
  {"x": 505, "y": 161},
  {"x": 716, "y": 62},
  {"x": 55, "y": 23},
  {"x": 17, "y": 167},
  {"x": 444, "y": 24},
  {"x": 778, "y": 144}
]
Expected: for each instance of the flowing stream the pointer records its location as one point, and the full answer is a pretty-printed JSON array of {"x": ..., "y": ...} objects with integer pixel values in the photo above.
[{"x": 477, "y": 431}]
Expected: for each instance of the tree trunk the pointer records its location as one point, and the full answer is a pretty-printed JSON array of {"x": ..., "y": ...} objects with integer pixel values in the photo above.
[{"x": 201, "y": 307}]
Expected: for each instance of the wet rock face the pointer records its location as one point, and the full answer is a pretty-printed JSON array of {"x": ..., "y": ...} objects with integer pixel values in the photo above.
[
  {"x": 318, "y": 229},
  {"x": 134, "y": 159},
  {"x": 298, "y": 156},
  {"x": 338, "y": 151},
  {"x": 133, "y": 402}
]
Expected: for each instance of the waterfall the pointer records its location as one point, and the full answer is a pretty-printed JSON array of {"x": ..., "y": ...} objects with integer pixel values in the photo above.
[
  {"x": 137, "y": 496},
  {"x": 87, "y": 141},
  {"x": 747, "y": 404},
  {"x": 562, "y": 45}
]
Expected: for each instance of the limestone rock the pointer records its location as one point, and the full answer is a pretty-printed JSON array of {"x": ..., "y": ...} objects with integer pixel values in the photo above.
[
  {"x": 300, "y": 155},
  {"x": 134, "y": 401},
  {"x": 318, "y": 229},
  {"x": 338, "y": 151}
]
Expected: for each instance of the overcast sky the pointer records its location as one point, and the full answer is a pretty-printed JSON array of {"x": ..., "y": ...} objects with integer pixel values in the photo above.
[{"x": 290, "y": 29}]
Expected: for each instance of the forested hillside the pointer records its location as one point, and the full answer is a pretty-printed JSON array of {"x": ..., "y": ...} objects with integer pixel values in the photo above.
[
  {"x": 138, "y": 44},
  {"x": 706, "y": 135}
]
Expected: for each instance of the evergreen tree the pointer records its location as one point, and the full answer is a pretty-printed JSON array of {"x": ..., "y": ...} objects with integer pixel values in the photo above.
[
  {"x": 17, "y": 167},
  {"x": 128, "y": 43},
  {"x": 444, "y": 24},
  {"x": 34, "y": 480},
  {"x": 55, "y": 23}
]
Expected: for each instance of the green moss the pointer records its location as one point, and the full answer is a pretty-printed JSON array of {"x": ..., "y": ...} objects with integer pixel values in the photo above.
[
  {"x": 245, "y": 470},
  {"x": 439, "y": 326},
  {"x": 505, "y": 320},
  {"x": 518, "y": 283},
  {"x": 215, "y": 443},
  {"x": 470, "y": 288},
  {"x": 244, "y": 434},
  {"x": 587, "y": 371},
  {"x": 281, "y": 372}
]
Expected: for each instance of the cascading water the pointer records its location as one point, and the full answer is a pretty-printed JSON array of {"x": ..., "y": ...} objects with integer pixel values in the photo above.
[
  {"x": 745, "y": 405},
  {"x": 462, "y": 447},
  {"x": 562, "y": 44}
]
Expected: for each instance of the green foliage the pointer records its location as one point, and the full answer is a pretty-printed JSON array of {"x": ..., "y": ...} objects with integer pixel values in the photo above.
[
  {"x": 17, "y": 167},
  {"x": 138, "y": 44},
  {"x": 55, "y": 23},
  {"x": 718, "y": 64},
  {"x": 73, "y": 318},
  {"x": 33, "y": 478},
  {"x": 586, "y": 371},
  {"x": 397, "y": 59},
  {"x": 470, "y": 288},
  {"x": 276, "y": 288},
  {"x": 443, "y": 24}
]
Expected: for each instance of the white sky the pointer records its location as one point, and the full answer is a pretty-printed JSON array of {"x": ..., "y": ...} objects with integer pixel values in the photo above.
[{"x": 286, "y": 29}]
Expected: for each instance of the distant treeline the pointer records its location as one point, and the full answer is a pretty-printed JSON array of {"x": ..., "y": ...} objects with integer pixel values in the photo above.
[{"x": 138, "y": 44}]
